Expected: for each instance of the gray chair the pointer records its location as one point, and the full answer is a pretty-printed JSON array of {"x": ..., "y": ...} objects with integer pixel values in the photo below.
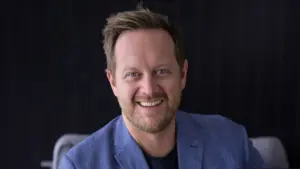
[
  {"x": 270, "y": 148},
  {"x": 272, "y": 151},
  {"x": 63, "y": 145}
]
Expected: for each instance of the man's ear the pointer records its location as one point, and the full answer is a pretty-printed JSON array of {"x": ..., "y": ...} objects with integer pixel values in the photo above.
[
  {"x": 184, "y": 74},
  {"x": 112, "y": 81}
]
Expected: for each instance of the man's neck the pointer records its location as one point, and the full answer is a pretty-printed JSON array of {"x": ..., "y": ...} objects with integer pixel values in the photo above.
[{"x": 158, "y": 144}]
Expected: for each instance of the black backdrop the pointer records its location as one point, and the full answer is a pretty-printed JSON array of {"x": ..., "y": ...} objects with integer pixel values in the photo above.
[{"x": 243, "y": 59}]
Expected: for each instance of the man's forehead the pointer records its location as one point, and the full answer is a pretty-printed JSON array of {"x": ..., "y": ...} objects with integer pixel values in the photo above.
[
  {"x": 130, "y": 39},
  {"x": 136, "y": 52}
]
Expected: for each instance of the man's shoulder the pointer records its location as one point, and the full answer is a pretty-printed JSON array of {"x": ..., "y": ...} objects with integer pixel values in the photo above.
[
  {"x": 213, "y": 120},
  {"x": 216, "y": 124},
  {"x": 222, "y": 135},
  {"x": 94, "y": 144}
]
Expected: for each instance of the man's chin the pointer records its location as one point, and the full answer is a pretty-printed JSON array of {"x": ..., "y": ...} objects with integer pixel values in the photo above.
[
  {"x": 152, "y": 129},
  {"x": 150, "y": 121},
  {"x": 154, "y": 124}
]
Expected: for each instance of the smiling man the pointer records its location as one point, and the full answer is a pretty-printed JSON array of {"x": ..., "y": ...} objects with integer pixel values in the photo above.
[{"x": 147, "y": 72}]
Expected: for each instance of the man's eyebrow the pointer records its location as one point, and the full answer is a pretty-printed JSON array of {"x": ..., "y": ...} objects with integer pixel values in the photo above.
[
  {"x": 129, "y": 69},
  {"x": 163, "y": 65}
]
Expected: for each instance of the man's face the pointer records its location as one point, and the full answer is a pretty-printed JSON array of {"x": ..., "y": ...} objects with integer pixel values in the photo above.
[{"x": 147, "y": 80}]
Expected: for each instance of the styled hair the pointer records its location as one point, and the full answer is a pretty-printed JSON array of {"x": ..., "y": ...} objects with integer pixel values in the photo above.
[{"x": 137, "y": 19}]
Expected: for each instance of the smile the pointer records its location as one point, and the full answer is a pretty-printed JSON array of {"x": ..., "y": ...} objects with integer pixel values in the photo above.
[{"x": 150, "y": 104}]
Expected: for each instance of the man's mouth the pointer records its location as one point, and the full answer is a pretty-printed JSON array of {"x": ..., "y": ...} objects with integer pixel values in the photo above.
[{"x": 150, "y": 103}]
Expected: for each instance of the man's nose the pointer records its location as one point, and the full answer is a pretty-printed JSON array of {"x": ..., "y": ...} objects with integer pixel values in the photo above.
[{"x": 148, "y": 86}]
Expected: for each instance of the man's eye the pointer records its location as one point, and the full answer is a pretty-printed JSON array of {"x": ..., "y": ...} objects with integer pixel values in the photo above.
[
  {"x": 132, "y": 74},
  {"x": 162, "y": 71}
]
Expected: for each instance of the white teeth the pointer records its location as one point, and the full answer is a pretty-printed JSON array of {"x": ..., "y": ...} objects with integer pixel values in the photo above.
[{"x": 149, "y": 104}]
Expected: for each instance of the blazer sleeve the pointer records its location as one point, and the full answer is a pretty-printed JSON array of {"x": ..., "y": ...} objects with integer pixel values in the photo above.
[
  {"x": 66, "y": 163},
  {"x": 253, "y": 159}
]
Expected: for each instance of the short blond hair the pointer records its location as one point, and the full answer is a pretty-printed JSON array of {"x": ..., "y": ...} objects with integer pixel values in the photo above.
[{"x": 137, "y": 19}]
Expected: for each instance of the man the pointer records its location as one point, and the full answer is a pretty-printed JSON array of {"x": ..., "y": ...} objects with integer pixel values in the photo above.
[{"x": 147, "y": 72}]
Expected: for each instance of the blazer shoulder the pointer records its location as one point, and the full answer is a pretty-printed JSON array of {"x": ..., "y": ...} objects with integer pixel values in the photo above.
[
  {"x": 220, "y": 127},
  {"x": 216, "y": 122},
  {"x": 231, "y": 137},
  {"x": 97, "y": 145}
]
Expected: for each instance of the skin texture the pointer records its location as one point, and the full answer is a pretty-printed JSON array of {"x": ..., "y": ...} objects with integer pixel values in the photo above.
[{"x": 147, "y": 71}]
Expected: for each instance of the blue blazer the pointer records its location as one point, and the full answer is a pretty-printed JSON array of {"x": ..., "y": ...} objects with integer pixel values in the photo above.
[{"x": 203, "y": 142}]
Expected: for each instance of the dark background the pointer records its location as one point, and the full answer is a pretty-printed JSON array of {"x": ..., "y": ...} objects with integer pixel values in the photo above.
[{"x": 243, "y": 63}]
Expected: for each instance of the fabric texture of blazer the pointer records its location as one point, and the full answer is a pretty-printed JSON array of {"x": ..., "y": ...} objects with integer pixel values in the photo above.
[{"x": 203, "y": 142}]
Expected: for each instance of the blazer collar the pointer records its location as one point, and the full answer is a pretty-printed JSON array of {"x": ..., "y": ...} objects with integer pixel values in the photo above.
[
  {"x": 189, "y": 145},
  {"x": 189, "y": 141},
  {"x": 128, "y": 153}
]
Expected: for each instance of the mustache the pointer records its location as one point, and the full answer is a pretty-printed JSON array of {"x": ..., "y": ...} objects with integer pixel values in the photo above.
[{"x": 147, "y": 97}]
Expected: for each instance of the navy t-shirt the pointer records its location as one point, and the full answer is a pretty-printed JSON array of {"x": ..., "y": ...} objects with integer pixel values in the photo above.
[{"x": 170, "y": 161}]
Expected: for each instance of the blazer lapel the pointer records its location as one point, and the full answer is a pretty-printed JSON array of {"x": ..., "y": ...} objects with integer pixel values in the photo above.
[
  {"x": 190, "y": 147},
  {"x": 128, "y": 153}
]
